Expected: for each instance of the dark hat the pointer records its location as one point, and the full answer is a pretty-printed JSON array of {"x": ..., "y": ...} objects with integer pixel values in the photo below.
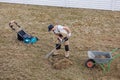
[{"x": 50, "y": 27}]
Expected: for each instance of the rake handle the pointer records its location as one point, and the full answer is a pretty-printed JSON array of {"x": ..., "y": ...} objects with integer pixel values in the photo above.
[{"x": 49, "y": 54}]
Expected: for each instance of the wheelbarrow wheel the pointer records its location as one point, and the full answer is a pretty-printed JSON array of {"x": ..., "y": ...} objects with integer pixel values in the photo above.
[{"x": 90, "y": 63}]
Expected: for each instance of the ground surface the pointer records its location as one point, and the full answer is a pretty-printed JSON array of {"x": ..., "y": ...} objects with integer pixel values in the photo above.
[{"x": 91, "y": 30}]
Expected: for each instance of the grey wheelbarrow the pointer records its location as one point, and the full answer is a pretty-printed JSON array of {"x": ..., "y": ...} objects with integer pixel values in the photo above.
[{"x": 101, "y": 58}]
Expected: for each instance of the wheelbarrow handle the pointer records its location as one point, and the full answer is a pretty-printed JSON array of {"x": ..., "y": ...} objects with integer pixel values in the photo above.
[{"x": 115, "y": 50}]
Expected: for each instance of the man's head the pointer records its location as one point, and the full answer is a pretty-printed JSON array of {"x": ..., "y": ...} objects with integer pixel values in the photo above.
[{"x": 50, "y": 27}]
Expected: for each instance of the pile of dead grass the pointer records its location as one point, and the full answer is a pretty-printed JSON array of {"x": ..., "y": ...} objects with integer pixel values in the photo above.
[{"x": 59, "y": 62}]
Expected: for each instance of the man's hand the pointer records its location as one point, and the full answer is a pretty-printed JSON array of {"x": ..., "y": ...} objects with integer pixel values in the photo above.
[
  {"x": 65, "y": 38},
  {"x": 60, "y": 39},
  {"x": 68, "y": 35}
]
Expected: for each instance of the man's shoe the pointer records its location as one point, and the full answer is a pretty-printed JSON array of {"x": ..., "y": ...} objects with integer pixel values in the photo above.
[{"x": 67, "y": 57}]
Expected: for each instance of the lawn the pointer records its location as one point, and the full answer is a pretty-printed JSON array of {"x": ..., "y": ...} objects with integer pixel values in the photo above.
[{"x": 97, "y": 30}]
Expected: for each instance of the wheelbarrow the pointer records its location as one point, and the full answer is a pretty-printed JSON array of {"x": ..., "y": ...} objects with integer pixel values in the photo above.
[{"x": 101, "y": 58}]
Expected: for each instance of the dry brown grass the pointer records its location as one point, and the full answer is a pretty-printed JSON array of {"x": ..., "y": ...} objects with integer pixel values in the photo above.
[{"x": 91, "y": 30}]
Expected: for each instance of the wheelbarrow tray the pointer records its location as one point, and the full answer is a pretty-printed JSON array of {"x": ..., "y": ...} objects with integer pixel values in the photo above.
[{"x": 96, "y": 56}]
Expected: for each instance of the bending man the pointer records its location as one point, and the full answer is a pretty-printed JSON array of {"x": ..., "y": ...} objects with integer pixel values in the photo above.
[{"x": 62, "y": 33}]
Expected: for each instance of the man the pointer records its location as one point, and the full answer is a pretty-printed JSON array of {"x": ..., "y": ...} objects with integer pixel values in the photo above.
[{"x": 62, "y": 33}]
